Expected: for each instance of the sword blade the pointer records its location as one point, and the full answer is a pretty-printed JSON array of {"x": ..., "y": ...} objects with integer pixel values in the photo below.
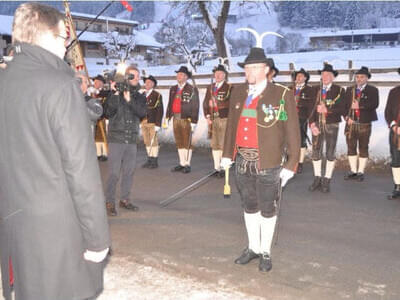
[{"x": 187, "y": 189}]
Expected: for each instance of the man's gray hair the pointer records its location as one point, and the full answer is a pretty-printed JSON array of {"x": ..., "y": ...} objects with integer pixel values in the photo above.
[{"x": 32, "y": 19}]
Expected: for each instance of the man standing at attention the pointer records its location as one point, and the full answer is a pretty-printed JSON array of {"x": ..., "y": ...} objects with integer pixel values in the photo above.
[
  {"x": 216, "y": 108},
  {"x": 362, "y": 100},
  {"x": 183, "y": 106},
  {"x": 262, "y": 124},
  {"x": 53, "y": 231}
]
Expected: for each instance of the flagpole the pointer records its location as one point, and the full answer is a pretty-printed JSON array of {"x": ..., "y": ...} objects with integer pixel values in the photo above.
[{"x": 90, "y": 23}]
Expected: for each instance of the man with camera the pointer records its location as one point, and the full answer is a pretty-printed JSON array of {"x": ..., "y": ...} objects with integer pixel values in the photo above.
[{"x": 124, "y": 109}]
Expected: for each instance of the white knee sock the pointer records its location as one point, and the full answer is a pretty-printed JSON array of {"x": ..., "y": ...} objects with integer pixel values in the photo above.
[
  {"x": 330, "y": 166},
  {"x": 353, "y": 163},
  {"x": 252, "y": 222},
  {"x": 181, "y": 154},
  {"x": 317, "y": 167},
  {"x": 362, "y": 163},
  {"x": 217, "y": 154},
  {"x": 396, "y": 175},
  {"x": 302, "y": 154},
  {"x": 154, "y": 151},
  {"x": 267, "y": 233}
]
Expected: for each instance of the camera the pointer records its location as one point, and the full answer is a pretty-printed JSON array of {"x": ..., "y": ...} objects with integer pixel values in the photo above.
[{"x": 123, "y": 86}]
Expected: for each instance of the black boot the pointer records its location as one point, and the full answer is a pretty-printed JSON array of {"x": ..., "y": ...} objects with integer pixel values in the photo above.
[
  {"x": 316, "y": 184},
  {"x": 325, "y": 185},
  {"x": 360, "y": 177},
  {"x": 265, "y": 264},
  {"x": 396, "y": 193},
  {"x": 246, "y": 256},
  {"x": 153, "y": 163},
  {"x": 299, "y": 168},
  {"x": 147, "y": 163},
  {"x": 350, "y": 175}
]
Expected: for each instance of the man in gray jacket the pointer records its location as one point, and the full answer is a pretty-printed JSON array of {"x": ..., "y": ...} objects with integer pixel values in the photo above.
[
  {"x": 124, "y": 109},
  {"x": 53, "y": 224}
]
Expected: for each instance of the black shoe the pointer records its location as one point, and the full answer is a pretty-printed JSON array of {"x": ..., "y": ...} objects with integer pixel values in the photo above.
[
  {"x": 186, "y": 169},
  {"x": 325, "y": 185},
  {"x": 178, "y": 168},
  {"x": 111, "y": 212},
  {"x": 350, "y": 175},
  {"x": 299, "y": 168},
  {"x": 396, "y": 193},
  {"x": 265, "y": 263},
  {"x": 316, "y": 184},
  {"x": 127, "y": 205},
  {"x": 147, "y": 163},
  {"x": 153, "y": 163},
  {"x": 221, "y": 174},
  {"x": 360, "y": 177},
  {"x": 246, "y": 256},
  {"x": 102, "y": 158}
]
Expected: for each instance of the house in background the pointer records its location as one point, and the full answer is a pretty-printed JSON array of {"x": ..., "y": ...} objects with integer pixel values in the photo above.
[
  {"x": 147, "y": 49},
  {"x": 355, "y": 39}
]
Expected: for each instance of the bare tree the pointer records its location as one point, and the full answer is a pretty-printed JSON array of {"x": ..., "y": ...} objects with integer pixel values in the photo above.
[
  {"x": 119, "y": 46},
  {"x": 217, "y": 26}
]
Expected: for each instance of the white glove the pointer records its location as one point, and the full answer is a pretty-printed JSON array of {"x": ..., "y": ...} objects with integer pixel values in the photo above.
[
  {"x": 193, "y": 126},
  {"x": 157, "y": 128},
  {"x": 95, "y": 256},
  {"x": 226, "y": 163},
  {"x": 285, "y": 175}
]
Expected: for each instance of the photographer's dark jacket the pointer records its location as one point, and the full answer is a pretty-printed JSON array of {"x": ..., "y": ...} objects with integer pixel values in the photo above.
[
  {"x": 124, "y": 117},
  {"x": 189, "y": 103},
  {"x": 368, "y": 103},
  {"x": 51, "y": 195}
]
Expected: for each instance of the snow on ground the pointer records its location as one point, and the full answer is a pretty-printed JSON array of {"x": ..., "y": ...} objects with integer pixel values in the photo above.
[{"x": 127, "y": 280}]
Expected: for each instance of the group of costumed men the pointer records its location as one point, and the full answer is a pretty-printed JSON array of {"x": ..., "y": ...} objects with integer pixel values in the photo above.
[{"x": 257, "y": 124}]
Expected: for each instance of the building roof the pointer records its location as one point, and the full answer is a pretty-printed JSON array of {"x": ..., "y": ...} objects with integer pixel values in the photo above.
[
  {"x": 104, "y": 18},
  {"x": 142, "y": 39},
  {"x": 354, "y": 32}
]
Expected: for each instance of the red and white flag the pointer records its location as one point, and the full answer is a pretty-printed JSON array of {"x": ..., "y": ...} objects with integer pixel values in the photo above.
[{"x": 126, "y": 5}]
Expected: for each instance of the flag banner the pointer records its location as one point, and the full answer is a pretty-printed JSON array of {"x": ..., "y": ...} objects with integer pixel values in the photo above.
[
  {"x": 74, "y": 54},
  {"x": 127, "y": 6}
]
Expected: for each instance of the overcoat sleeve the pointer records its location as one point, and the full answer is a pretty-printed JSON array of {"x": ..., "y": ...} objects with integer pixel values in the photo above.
[
  {"x": 195, "y": 106},
  {"x": 71, "y": 130},
  {"x": 390, "y": 113}
]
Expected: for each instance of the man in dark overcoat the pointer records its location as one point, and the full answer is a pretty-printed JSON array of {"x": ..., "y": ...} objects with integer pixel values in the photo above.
[
  {"x": 53, "y": 224},
  {"x": 183, "y": 107},
  {"x": 262, "y": 126},
  {"x": 392, "y": 116},
  {"x": 362, "y": 100}
]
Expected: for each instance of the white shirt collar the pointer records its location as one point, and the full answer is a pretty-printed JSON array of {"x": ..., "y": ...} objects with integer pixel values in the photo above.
[
  {"x": 149, "y": 92},
  {"x": 361, "y": 87},
  {"x": 219, "y": 84},
  {"x": 300, "y": 86},
  {"x": 181, "y": 86},
  {"x": 257, "y": 89},
  {"x": 327, "y": 87}
]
